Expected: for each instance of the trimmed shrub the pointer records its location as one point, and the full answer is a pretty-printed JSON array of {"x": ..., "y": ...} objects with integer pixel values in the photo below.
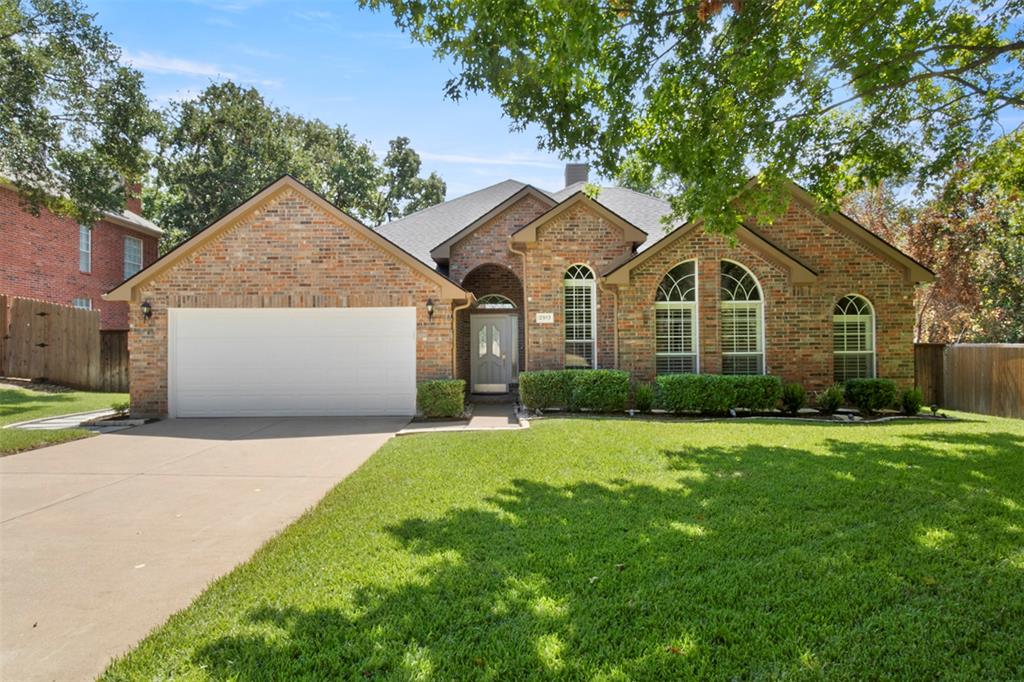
[
  {"x": 643, "y": 397},
  {"x": 599, "y": 390},
  {"x": 122, "y": 407},
  {"x": 830, "y": 399},
  {"x": 441, "y": 398},
  {"x": 756, "y": 393},
  {"x": 794, "y": 397},
  {"x": 871, "y": 395},
  {"x": 705, "y": 393},
  {"x": 546, "y": 388},
  {"x": 911, "y": 401}
]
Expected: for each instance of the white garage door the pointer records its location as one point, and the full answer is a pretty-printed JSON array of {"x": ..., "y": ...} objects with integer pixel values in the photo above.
[{"x": 236, "y": 362}]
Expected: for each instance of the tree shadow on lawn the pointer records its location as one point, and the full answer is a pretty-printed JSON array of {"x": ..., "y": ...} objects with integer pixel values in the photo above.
[{"x": 751, "y": 562}]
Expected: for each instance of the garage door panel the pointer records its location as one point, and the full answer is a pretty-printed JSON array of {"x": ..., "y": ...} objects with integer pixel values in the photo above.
[{"x": 256, "y": 362}]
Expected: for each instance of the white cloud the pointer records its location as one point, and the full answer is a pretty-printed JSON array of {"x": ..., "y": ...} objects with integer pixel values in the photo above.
[
  {"x": 313, "y": 15},
  {"x": 507, "y": 159},
  {"x": 148, "y": 61},
  {"x": 156, "y": 63}
]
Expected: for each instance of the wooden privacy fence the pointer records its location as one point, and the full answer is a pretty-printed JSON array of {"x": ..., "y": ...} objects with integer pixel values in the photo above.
[
  {"x": 61, "y": 344},
  {"x": 976, "y": 377}
]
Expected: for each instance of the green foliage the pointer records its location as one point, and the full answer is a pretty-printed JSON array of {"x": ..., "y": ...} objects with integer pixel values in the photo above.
[
  {"x": 545, "y": 389},
  {"x": 688, "y": 96},
  {"x": 911, "y": 401},
  {"x": 441, "y": 397},
  {"x": 716, "y": 394},
  {"x": 870, "y": 395},
  {"x": 704, "y": 393},
  {"x": 756, "y": 393},
  {"x": 122, "y": 407},
  {"x": 794, "y": 397},
  {"x": 596, "y": 390},
  {"x": 599, "y": 390},
  {"x": 643, "y": 397},
  {"x": 73, "y": 119},
  {"x": 830, "y": 399},
  {"x": 632, "y": 549},
  {"x": 217, "y": 150}
]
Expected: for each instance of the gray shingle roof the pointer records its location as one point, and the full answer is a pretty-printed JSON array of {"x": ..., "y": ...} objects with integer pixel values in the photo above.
[
  {"x": 643, "y": 210},
  {"x": 420, "y": 232}
]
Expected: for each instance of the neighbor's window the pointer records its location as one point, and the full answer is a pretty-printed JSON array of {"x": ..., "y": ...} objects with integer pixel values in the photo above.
[
  {"x": 579, "y": 297},
  {"x": 742, "y": 311},
  {"x": 675, "y": 321},
  {"x": 132, "y": 256},
  {"x": 495, "y": 302},
  {"x": 83, "y": 303},
  {"x": 84, "y": 248},
  {"x": 853, "y": 338}
]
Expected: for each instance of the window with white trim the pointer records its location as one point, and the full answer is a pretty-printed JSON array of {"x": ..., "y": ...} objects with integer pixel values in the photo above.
[
  {"x": 579, "y": 298},
  {"x": 853, "y": 338},
  {"x": 83, "y": 303},
  {"x": 495, "y": 302},
  {"x": 675, "y": 321},
  {"x": 742, "y": 313},
  {"x": 132, "y": 256},
  {"x": 84, "y": 248}
]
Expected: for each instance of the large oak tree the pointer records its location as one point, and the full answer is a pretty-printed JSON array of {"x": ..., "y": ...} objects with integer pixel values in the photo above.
[
  {"x": 220, "y": 148},
  {"x": 73, "y": 119},
  {"x": 690, "y": 95}
]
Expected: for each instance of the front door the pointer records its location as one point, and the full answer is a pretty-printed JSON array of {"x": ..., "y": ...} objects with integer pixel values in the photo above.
[{"x": 494, "y": 351}]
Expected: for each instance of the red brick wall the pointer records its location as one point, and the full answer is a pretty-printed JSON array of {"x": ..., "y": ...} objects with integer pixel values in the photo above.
[
  {"x": 578, "y": 235},
  {"x": 489, "y": 242},
  {"x": 39, "y": 259},
  {"x": 288, "y": 253},
  {"x": 798, "y": 319}
]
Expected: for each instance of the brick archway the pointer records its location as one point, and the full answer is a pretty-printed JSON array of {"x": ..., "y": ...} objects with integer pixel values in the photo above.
[{"x": 489, "y": 278}]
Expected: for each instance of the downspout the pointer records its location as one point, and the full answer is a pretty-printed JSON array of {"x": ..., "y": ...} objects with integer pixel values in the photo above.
[
  {"x": 615, "y": 322},
  {"x": 526, "y": 311},
  {"x": 455, "y": 332}
]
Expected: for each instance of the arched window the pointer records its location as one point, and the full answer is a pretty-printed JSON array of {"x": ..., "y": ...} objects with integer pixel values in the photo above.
[
  {"x": 742, "y": 311},
  {"x": 853, "y": 338},
  {"x": 579, "y": 297},
  {"x": 495, "y": 302},
  {"x": 675, "y": 321}
]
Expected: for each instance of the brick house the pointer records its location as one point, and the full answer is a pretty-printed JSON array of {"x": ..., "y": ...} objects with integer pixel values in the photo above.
[
  {"x": 54, "y": 259},
  {"x": 289, "y": 306}
]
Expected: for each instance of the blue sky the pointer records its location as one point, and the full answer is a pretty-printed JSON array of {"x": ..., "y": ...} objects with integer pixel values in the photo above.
[{"x": 333, "y": 62}]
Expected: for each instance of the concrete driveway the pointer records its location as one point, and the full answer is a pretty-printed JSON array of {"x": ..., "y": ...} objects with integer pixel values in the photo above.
[{"x": 102, "y": 539}]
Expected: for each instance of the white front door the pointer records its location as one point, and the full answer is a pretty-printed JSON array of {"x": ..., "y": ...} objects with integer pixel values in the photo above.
[
  {"x": 239, "y": 362},
  {"x": 494, "y": 350}
]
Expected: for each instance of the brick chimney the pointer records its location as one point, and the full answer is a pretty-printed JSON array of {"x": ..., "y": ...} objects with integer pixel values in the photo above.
[
  {"x": 576, "y": 172},
  {"x": 133, "y": 197}
]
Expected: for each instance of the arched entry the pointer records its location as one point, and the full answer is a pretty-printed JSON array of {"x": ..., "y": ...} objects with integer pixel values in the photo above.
[{"x": 491, "y": 337}]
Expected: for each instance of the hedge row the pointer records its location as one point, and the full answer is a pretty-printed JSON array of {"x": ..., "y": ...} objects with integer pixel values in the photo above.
[
  {"x": 609, "y": 390},
  {"x": 716, "y": 394},
  {"x": 597, "y": 390}
]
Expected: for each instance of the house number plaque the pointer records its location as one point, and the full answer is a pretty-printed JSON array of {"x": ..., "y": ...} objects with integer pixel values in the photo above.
[{"x": 545, "y": 318}]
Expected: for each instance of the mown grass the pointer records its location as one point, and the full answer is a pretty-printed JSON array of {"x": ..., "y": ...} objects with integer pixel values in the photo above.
[
  {"x": 19, "y": 404},
  {"x": 611, "y": 549}
]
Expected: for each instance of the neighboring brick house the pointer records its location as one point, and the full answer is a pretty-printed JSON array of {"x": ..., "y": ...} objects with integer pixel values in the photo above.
[
  {"x": 54, "y": 259},
  {"x": 290, "y": 306}
]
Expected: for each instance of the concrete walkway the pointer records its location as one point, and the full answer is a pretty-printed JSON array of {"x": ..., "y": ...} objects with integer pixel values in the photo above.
[
  {"x": 102, "y": 539},
  {"x": 485, "y": 417},
  {"x": 68, "y": 421}
]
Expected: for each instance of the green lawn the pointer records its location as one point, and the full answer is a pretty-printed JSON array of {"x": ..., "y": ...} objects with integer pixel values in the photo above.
[
  {"x": 617, "y": 549},
  {"x": 18, "y": 405}
]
